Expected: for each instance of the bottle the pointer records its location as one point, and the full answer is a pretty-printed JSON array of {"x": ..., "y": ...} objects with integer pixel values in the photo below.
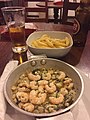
[{"x": 81, "y": 23}]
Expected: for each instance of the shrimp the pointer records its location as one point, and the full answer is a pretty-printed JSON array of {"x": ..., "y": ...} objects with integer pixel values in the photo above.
[
  {"x": 23, "y": 89},
  {"x": 22, "y": 96},
  {"x": 50, "y": 108},
  {"x": 28, "y": 107},
  {"x": 33, "y": 77},
  {"x": 23, "y": 84},
  {"x": 62, "y": 75},
  {"x": 46, "y": 76},
  {"x": 55, "y": 100},
  {"x": 36, "y": 98},
  {"x": 42, "y": 82},
  {"x": 20, "y": 105},
  {"x": 70, "y": 86},
  {"x": 64, "y": 91},
  {"x": 51, "y": 88},
  {"x": 33, "y": 85},
  {"x": 67, "y": 80},
  {"x": 14, "y": 88},
  {"x": 41, "y": 88}
]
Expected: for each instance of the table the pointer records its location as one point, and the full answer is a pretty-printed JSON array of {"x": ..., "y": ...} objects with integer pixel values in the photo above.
[
  {"x": 56, "y": 9},
  {"x": 78, "y": 56}
]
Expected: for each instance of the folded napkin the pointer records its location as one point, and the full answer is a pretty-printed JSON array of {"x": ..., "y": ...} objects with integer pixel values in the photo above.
[
  {"x": 79, "y": 112},
  {"x": 9, "y": 67},
  {"x": 30, "y": 26}
]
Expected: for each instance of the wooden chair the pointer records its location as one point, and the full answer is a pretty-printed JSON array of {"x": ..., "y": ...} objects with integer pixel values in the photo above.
[
  {"x": 66, "y": 7},
  {"x": 4, "y": 4},
  {"x": 33, "y": 12}
]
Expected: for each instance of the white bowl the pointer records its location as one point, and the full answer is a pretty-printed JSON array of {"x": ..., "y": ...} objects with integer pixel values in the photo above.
[{"x": 50, "y": 52}]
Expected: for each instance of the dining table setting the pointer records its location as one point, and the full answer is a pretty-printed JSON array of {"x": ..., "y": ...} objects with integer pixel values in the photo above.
[{"x": 78, "y": 57}]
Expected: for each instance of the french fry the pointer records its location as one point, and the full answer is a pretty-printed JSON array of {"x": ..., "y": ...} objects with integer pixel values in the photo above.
[
  {"x": 50, "y": 44},
  {"x": 41, "y": 43},
  {"x": 67, "y": 41},
  {"x": 60, "y": 40},
  {"x": 35, "y": 44},
  {"x": 46, "y": 41}
]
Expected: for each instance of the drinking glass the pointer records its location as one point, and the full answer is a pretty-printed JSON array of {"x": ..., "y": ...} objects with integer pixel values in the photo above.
[{"x": 15, "y": 20}]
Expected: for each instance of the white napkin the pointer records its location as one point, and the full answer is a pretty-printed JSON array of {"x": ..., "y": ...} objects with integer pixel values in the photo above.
[
  {"x": 9, "y": 67},
  {"x": 30, "y": 26},
  {"x": 66, "y": 116}
]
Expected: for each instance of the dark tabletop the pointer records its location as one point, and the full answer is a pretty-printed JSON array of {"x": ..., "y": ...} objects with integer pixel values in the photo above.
[{"x": 78, "y": 56}]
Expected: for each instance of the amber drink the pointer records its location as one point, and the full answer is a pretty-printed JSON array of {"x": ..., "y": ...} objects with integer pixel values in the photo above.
[{"x": 15, "y": 20}]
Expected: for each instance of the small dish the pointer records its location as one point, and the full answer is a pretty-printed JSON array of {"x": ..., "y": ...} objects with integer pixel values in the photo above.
[{"x": 50, "y": 52}]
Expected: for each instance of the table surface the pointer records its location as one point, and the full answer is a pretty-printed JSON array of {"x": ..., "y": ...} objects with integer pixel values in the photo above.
[
  {"x": 5, "y": 0},
  {"x": 78, "y": 56}
]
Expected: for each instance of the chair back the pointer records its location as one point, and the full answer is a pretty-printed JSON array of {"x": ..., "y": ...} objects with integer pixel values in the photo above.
[
  {"x": 31, "y": 11},
  {"x": 4, "y": 3},
  {"x": 67, "y": 5}
]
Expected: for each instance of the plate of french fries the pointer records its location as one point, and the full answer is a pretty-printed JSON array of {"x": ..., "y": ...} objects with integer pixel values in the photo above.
[{"x": 52, "y": 43}]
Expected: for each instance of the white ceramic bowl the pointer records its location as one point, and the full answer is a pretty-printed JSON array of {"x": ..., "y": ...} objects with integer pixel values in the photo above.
[{"x": 50, "y": 52}]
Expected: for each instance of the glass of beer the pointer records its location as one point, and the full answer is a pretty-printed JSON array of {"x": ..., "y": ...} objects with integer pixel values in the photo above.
[{"x": 15, "y": 20}]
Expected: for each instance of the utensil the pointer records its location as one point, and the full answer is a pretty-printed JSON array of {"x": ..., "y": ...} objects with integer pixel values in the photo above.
[{"x": 39, "y": 63}]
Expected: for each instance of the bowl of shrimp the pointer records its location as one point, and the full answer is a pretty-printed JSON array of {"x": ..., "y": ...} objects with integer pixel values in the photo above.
[
  {"x": 44, "y": 87},
  {"x": 54, "y": 44}
]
